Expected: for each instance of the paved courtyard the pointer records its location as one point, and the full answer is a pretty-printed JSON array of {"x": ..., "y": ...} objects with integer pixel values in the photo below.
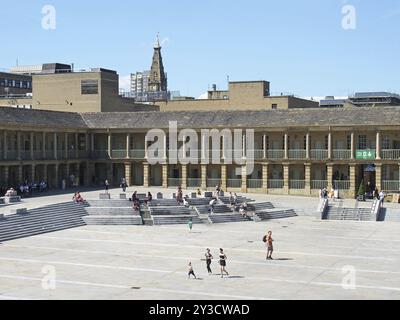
[{"x": 313, "y": 260}]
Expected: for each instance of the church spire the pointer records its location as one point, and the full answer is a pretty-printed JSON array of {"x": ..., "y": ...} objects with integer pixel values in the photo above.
[{"x": 157, "y": 78}]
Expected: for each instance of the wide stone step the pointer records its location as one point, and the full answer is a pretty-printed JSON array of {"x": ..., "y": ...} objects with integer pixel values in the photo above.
[
  {"x": 110, "y": 203},
  {"x": 113, "y": 220},
  {"x": 164, "y": 203},
  {"x": 273, "y": 215},
  {"x": 260, "y": 206},
  {"x": 224, "y": 218},
  {"x": 39, "y": 230},
  {"x": 110, "y": 211},
  {"x": 181, "y": 210},
  {"x": 170, "y": 220}
]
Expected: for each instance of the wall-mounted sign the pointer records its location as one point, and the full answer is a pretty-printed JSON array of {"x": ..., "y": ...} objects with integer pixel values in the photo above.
[{"x": 366, "y": 154}]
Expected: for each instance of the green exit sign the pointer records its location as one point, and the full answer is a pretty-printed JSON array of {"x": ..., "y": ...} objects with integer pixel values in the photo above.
[{"x": 366, "y": 154}]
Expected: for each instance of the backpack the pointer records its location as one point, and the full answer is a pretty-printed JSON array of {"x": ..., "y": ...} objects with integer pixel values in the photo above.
[{"x": 264, "y": 239}]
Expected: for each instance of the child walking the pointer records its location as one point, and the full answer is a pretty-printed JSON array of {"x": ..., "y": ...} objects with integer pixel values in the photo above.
[{"x": 191, "y": 272}]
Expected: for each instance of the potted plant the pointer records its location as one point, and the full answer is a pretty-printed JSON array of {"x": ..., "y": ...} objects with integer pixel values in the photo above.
[{"x": 361, "y": 192}]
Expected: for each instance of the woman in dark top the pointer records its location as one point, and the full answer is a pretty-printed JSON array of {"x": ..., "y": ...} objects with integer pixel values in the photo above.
[
  {"x": 222, "y": 262},
  {"x": 209, "y": 258}
]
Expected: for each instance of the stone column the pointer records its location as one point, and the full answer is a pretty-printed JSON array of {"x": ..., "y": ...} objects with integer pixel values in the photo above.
[
  {"x": 20, "y": 177},
  {"x": 353, "y": 144},
  {"x": 204, "y": 177},
  {"x": 307, "y": 176},
  {"x": 165, "y": 176},
  {"x": 33, "y": 173},
  {"x": 146, "y": 171},
  {"x": 6, "y": 175},
  {"x": 244, "y": 146},
  {"x": 67, "y": 173},
  {"x": 90, "y": 172},
  {"x": 55, "y": 146},
  {"x": 265, "y": 168},
  {"x": 19, "y": 145},
  {"x": 286, "y": 178},
  {"x": 165, "y": 156},
  {"x": 78, "y": 175},
  {"x": 308, "y": 146},
  {"x": 66, "y": 148},
  {"x": 378, "y": 176},
  {"x": 110, "y": 173},
  {"x": 265, "y": 149},
  {"x": 244, "y": 178},
  {"x": 184, "y": 177},
  {"x": 329, "y": 176},
  {"x": 57, "y": 176},
  {"x": 353, "y": 180},
  {"x": 128, "y": 145},
  {"x": 109, "y": 146},
  {"x": 92, "y": 145},
  {"x": 5, "y": 145},
  {"x": 128, "y": 173},
  {"x": 76, "y": 146},
  {"x": 31, "y": 145},
  {"x": 224, "y": 170},
  {"x": 146, "y": 155},
  {"x": 286, "y": 146},
  {"x": 330, "y": 146},
  {"x": 378, "y": 147},
  {"x": 44, "y": 145},
  {"x": 45, "y": 178}
]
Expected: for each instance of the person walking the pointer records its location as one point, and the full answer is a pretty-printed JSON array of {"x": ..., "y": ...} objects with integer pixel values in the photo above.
[
  {"x": 209, "y": 258},
  {"x": 270, "y": 246},
  {"x": 190, "y": 223},
  {"x": 382, "y": 197},
  {"x": 191, "y": 271},
  {"x": 106, "y": 185},
  {"x": 222, "y": 262},
  {"x": 123, "y": 184}
]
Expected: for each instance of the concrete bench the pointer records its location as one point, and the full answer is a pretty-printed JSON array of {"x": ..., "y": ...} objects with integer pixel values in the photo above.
[
  {"x": 1, "y": 216},
  {"x": 2, "y": 201},
  {"x": 208, "y": 194},
  {"x": 122, "y": 196},
  {"x": 13, "y": 199},
  {"x": 20, "y": 211},
  {"x": 160, "y": 196},
  {"x": 194, "y": 195},
  {"x": 104, "y": 196}
]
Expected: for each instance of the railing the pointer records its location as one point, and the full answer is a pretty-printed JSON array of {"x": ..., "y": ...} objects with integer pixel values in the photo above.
[
  {"x": 193, "y": 183},
  {"x": 137, "y": 154},
  {"x": 341, "y": 154},
  {"x": 174, "y": 182},
  {"x": 297, "y": 184},
  {"x": 38, "y": 155},
  {"x": 234, "y": 183},
  {"x": 341, "y": 185},
  {"x": 258, "y": 154},
  {"x": 83, "y": 154},
  {"x": 391, "y": 154},
  {"x": 60, "y": 154},
  {"x": 49, "y": 154},
  {"x": 297, "y": 154},
  {"x": 319, "y": 154},
  {"x": 71, "y": 154},
  {"x": 276, "y": 154},
  {"x": 100, "y": 154},
  {"x": 213, "y": 182},
  {"x": 390, "y": 186},
  {"x": 276, "y": 184},
  {"x": 318, "y": 184},
  {"x": 118, "y": 154},
  {"x": 254, "y": 184},
  {"x": 12, "y": 154},
  {"x": 26, "y": 155}
]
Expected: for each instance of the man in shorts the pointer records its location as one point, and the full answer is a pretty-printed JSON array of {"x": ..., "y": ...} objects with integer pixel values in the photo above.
[{"x": 270, "y": 246}]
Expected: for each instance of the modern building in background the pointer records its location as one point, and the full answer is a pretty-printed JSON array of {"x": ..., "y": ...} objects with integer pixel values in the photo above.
[{"x": 362, "y": 99}]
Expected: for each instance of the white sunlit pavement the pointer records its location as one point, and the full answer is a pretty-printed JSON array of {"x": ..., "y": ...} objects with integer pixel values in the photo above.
[{"x": 313, "y": 260}]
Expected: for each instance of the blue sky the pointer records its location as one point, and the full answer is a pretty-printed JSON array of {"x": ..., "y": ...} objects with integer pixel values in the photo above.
[{"x": 299, "y": 46}]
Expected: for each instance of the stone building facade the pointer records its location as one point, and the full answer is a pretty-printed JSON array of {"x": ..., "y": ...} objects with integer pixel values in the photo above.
[{"x": 296, "y": 152}]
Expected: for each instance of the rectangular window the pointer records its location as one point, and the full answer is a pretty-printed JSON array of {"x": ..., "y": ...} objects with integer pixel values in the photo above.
[
  {"x": 362, "y": 142},
  {"x": 349, "y": 142},
  {"x": 90, "y": 86},
  {"x": 305, "y": 142},
  {"x": 274, "y": 106},
  {"x": 326, "y": 142}
]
